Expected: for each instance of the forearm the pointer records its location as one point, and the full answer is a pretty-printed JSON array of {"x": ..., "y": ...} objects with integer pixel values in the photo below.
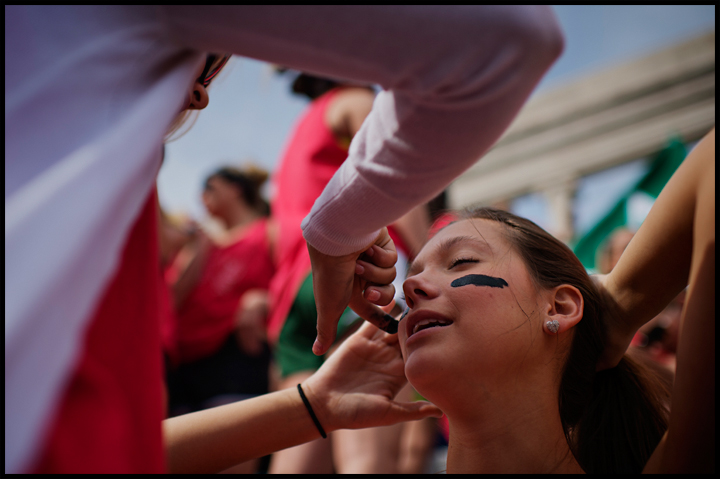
[
  {"x": 189, "y": 277},
  {"x": 418, "y": 139},
  {"x": 214, "y": 439},
  {"x": 655, "y": 266}
]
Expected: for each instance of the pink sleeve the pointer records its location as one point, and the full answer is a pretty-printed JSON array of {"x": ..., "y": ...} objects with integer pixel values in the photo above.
[{"x": 453, "y": 78}]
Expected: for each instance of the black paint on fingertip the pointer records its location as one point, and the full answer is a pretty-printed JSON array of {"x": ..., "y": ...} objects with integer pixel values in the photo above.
[
  {"x": 384, "y": 322},
  {"x": 392, "y": 325}
]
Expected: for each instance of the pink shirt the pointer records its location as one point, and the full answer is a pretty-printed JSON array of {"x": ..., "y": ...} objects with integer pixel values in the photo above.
[{"x": 311, "y": 158}]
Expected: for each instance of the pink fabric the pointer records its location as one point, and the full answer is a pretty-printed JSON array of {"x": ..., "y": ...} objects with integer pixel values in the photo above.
[{"x": 311, "y": 157}]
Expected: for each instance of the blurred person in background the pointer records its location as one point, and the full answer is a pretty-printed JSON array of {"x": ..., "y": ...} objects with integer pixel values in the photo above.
[
  {"x": 86, "y": 114},
  {"x": 221, "y": 299},
  {"x": 175, "y": 233},
  {"x": 316, "y": 149},
  {"x": 612, "y": 248},
  {"x": 658, "y": 339},
  {"x": 221, "y": 302}
]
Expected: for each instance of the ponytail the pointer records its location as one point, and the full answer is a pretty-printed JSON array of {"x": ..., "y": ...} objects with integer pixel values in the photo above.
[{"x": 624, "y": 420}]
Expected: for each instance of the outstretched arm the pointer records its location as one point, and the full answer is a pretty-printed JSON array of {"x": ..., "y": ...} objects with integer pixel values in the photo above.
[{"x": 355, "y": 388}]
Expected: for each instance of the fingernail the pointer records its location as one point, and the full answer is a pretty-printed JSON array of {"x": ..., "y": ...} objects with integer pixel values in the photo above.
[
  {"x": 370, "y": 251},
  {"x": 359, "y": 269},
  {"x": 317, "y": 347},
  {"x": 373, "y": 295}
]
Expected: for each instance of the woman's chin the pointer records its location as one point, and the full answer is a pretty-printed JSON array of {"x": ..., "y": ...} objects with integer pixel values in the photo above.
[{"x": 429, "y": 376}]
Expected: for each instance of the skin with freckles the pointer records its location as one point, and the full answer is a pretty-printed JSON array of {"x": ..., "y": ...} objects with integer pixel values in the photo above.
[{"x": 495, "y": 370}]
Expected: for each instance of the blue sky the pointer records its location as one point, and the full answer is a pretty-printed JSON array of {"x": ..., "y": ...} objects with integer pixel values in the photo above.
[{"x": 252, "y": 112}]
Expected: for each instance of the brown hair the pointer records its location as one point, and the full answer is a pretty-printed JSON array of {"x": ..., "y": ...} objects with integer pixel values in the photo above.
[
  {"x": 189, "y": 117},
  {"x": 613, "y": 419},
  {"x": 248, "y": 181},
  {"x": 312, "y": 86}
]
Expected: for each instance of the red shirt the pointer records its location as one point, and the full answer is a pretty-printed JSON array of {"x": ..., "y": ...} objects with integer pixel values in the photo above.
[
  {"x": 168, "y": 318},
  {"x": 109, "y": 418},
  {"x": 311, "y": 158},
  {"x": 207, "y": 316}
]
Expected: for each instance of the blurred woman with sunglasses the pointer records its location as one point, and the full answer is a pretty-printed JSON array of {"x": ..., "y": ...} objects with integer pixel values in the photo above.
[{"x": 90, "y": 93}]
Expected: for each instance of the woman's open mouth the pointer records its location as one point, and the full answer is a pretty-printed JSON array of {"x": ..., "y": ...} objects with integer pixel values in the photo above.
[
  {"x": 423, "y": 319},
  {"x": 430, "y": 323}
]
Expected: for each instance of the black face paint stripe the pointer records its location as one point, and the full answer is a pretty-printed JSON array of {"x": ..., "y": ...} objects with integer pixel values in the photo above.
[{"x": 479, "y": 280}]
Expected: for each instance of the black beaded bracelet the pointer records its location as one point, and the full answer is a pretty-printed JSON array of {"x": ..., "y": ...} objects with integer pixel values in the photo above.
[{"x": 312, "y": 414}]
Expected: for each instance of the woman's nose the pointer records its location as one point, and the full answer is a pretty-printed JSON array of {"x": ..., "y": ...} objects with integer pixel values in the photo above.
[{"x": 418, "y": 288}]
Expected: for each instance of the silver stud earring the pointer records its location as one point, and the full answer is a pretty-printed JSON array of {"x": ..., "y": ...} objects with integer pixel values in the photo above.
[{"x": 553, "y": 326}]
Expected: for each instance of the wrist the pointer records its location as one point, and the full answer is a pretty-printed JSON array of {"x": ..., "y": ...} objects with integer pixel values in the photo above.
[
  {"x": 629, "y": 306},
  {"x": 311, "y": 412},
  {"x": 319, "y": 404}
]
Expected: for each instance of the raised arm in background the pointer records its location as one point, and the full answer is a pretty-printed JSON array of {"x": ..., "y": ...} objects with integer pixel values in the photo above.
[{"x": 675, "y": 247}]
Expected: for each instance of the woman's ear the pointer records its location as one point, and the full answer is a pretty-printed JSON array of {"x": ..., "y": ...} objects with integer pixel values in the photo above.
[
  {"x": 198, "y": 97},
  {"x": 565, "y": 309}
]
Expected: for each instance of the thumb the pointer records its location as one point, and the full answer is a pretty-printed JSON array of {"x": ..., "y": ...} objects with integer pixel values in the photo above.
[
  {"x": 332, "y": 288},
  {"x": 326, "y": 331},
  {"x": 412, "y": 411}
]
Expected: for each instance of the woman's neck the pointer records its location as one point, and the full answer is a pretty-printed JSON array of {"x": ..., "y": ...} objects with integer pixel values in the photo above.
[
  {"x": 515, "y": 435},
  {"x": 237, "y": 219}
]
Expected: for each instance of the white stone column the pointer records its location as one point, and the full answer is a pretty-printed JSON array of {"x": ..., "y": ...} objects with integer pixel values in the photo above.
[{"x": 561, "y": 196}]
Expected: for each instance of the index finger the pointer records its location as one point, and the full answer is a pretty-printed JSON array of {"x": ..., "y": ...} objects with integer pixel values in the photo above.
[
  {"x": 374, "y": 315},
  {"x": 384, "y": 257}
]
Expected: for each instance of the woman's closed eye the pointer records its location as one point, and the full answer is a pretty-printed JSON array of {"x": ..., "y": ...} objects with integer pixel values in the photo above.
[{"x": 462, "y": 260}]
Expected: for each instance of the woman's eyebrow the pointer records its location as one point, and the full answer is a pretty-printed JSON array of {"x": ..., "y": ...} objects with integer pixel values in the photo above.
[{"x": 448, "y": 244}]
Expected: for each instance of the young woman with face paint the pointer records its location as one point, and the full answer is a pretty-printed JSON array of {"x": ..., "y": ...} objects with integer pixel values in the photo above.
[
  {"x": 473, "y": 302},
  {"x": 505, "y": 330}
]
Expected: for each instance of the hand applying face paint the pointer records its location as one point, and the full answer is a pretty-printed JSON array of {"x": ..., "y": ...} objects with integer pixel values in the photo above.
[{"x": 360, "y": 280}]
